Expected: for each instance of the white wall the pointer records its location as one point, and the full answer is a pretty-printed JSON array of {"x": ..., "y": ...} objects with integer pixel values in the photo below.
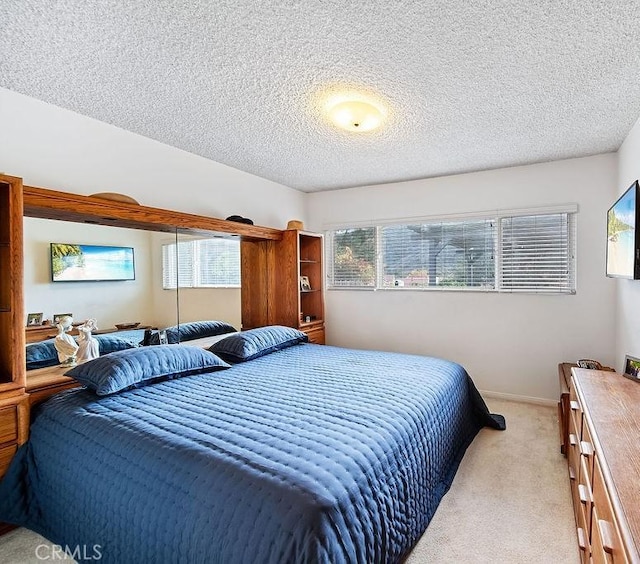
[
  {"x": 108, "y": 302},
  {"x": 628, "y": 296},
  {"x": 55, "y": 148},
  {"x": 509, "y": 343}
]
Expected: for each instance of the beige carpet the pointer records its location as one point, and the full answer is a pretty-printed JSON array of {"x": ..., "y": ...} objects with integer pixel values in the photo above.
[{"x": 509, "y": 503}]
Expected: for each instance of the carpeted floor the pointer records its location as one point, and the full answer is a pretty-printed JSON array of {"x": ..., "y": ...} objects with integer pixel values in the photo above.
[{"x": 509, "y": 503}]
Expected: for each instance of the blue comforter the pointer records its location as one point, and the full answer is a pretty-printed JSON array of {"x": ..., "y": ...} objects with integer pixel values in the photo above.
[{"x": 310, "y": 454}]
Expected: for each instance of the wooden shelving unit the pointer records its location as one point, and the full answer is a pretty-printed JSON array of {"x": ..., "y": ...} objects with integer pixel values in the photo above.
[
  {"x": 12, "y": 318},
  {"x": 14, "y": 419},
  {"x": 277, "y": 298},
  {"x": 311, "y": 302}
]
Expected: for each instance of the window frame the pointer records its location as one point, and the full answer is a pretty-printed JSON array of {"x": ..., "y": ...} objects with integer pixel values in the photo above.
[{"x": 496, "y": 215}]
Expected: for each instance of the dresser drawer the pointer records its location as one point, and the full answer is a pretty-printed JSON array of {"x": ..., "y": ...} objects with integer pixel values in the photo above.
[
  {"x": 598, "y": 555},
  {"x": 605, "y": 526},
  {"x": 585, "y": 493},
  {"x": 573, "y": 462},
  {"x": 8, "y": 424},
  {"x": 575, "y": 415},
  {"x": 587, "y": 451},
  {"x": 583, "y": 538},
  {"x": 6, "y": 454}
]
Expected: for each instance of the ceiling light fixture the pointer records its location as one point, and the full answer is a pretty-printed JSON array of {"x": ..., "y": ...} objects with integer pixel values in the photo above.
[{"x": 356, "y": 115}]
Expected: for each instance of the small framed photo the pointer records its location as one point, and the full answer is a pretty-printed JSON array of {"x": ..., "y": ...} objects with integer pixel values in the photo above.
[
  {"x": 34, "y": 319},
  {"x": 58, "y": 316},
  {"x": 632, "y": 368},
  {"x": 305, "y": 286}
]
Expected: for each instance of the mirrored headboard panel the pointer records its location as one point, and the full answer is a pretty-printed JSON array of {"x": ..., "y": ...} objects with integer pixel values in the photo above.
[
  {"x": 110, "y": 302},
  {"x": 187, "y": 266}
]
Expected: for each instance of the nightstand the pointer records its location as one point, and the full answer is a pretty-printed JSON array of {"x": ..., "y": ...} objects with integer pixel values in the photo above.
[{"x": 42, "y": 383}]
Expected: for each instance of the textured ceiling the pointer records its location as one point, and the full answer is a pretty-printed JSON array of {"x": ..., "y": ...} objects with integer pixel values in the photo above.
[{"x": 468, "y": 85}]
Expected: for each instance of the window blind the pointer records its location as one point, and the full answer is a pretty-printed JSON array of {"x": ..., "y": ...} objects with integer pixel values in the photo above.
[
  {"x": 201, "y": 263},
  {"x": 431, "y": 255},
  {"x": 513, "y": 251},
  {"x": 218, "y": 262},
  {"x": 538, "y": 253},
  {"x": 353, "y": 258}
]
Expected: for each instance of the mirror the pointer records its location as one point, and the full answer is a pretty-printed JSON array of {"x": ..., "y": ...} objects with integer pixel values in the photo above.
[
  {"x": 89, "y": 252},
  {"x": 208, "y": 274},
  {"x": 206, "y": 264},
  {"x": 110, "y": 302}
]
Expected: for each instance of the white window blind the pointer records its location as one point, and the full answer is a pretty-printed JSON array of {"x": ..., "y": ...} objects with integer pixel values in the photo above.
[
  {"x": 430, "y": 255},
  {"x": 516, "y": 251},
  {"x": 538, "y": 253},
  {"x": 353, "y": 258},
  {"x": 201, "y": 263}
]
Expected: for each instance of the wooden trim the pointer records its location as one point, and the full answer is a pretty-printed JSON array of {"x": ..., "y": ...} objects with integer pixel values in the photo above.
[
  {"x": 51, "y": 204},
  {"x": 12, "y": 309}
]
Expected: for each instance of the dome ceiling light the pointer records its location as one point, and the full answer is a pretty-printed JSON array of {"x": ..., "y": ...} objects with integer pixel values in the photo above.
[{"x": 356, "y": 115}]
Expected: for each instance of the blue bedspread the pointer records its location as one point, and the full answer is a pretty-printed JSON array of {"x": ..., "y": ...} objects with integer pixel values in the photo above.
[{"x": 310, "y": 454}]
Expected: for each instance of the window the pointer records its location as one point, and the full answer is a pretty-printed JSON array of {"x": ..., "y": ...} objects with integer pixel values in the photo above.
[
  {"x": 354, "y": 258},
  {"x": 428, "y": 255},
  {"x": 505, "y": 253},
  {"x": 537, "y": 253},
  {"x": 201, "y": 263}
]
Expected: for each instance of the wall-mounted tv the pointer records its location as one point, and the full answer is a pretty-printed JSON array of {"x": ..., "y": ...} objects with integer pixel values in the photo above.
[
  {"x": 91, "y": 263},
  {"x": 623, "y": 236}
]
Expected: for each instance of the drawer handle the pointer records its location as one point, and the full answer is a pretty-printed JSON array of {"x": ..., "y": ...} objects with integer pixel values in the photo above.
[
  {"x": 572, "y": 474},
  {"x": 586, "y": 448},
  {"x": 573, "y": 440},
  {"x": 582, "y": 543},
  {"x": 606, "y": 535},
  {"x": 583, "y": 494},
  {"x": 575, "y": 406}
]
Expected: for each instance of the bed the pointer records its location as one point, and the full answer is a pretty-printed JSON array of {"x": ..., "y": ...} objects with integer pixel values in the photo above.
[{"x": 308, "y": 453}]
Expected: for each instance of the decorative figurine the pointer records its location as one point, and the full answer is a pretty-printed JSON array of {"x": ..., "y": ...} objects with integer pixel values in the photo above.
[
  {"x": 65, "y": 344},
  {"x": 88, "y": 348}
]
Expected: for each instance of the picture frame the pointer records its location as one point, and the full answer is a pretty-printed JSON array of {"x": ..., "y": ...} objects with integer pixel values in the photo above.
[
  {"x": 34, "y": 319},
  {"x": 632, "y": 368},
  {"x": 305, "y": 285},
  {"x": 58, "y": 316}
]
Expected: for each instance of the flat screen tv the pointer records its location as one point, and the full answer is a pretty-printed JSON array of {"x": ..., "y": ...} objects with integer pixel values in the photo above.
[
  {"x": 91, "y": 263},
  {"x": 623, "y": 250}
]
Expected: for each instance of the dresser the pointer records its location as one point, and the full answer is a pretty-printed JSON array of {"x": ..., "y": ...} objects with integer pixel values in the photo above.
[{"x": 603, "y": 455}]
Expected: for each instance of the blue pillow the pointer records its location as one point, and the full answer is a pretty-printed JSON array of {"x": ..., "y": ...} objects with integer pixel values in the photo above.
[
  {"x": 194, "y": 330},
  {"x": 41, "y": 355},
  {"x": 109, "y": 343},
  {"x": 257, "y": 342},
  {"x": 134, "y": 368},
  {"x": 198, "y": 330}
]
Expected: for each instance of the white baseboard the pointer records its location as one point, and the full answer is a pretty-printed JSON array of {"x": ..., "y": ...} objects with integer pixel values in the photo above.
[{"x": 514, "y": 397}]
